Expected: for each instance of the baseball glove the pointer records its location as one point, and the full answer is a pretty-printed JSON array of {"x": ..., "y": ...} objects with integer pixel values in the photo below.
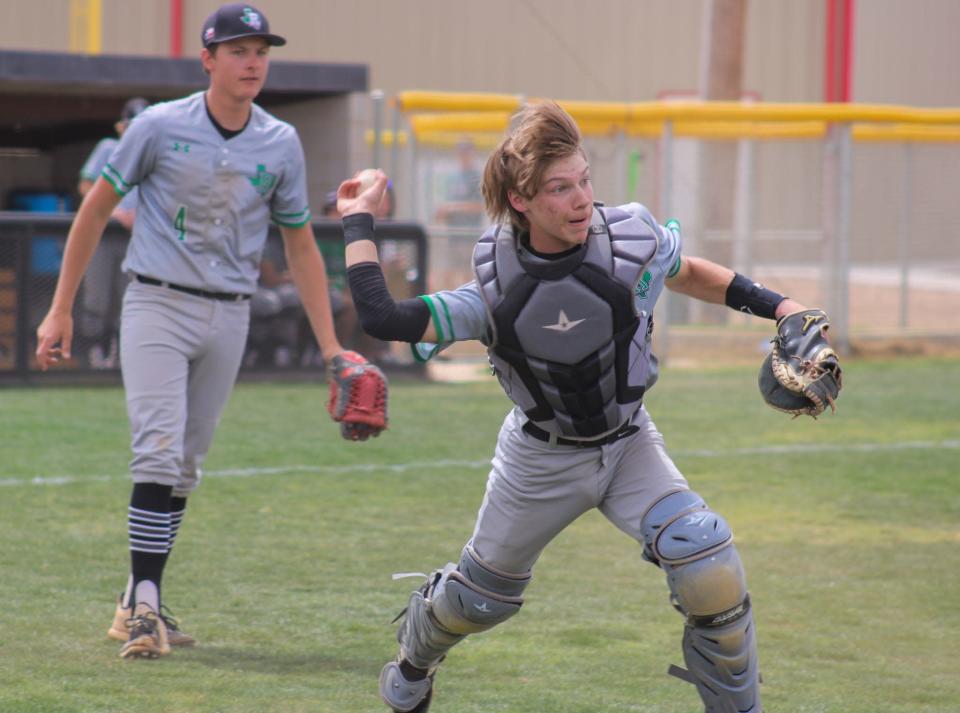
[
  {"x": 358, "y": 396},
  {"x": 801, "y": 374}
]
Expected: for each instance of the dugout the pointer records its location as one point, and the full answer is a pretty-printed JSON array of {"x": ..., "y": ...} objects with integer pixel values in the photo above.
[
  {"x": 57, "y": 106},
  {"x": 26, "y": 289}
]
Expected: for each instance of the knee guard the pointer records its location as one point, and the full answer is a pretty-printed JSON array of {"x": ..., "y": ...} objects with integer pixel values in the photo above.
[
  {"x": 694, "y": 546},
  {"x": 458, "y": 600}
]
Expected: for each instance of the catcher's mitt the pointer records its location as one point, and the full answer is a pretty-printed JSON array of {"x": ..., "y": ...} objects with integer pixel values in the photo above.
[
  {"x": 358, "y": 396},
  {"x": 801, "y": 374}
]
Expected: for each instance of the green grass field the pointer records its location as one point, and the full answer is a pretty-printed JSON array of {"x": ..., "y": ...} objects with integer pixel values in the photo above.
[{"x": 849, "y": 527}]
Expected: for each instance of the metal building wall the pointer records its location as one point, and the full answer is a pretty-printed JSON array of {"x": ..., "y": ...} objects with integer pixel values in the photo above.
[
  {"x": 627, "y": 50},
  {"x": 616, "y": 50}
]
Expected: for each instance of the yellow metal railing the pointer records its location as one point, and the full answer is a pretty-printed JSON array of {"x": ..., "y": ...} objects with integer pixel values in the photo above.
[{"x": 433, "y": 115}]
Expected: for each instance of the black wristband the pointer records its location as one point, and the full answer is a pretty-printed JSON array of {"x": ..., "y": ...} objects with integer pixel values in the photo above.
[
  {"x": 744, "y": 295},
  {"x": 358, "y": 226}
]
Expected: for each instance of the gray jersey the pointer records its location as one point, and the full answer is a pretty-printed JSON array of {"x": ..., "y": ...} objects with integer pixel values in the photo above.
[
  {"x": 97, "y": 161},
  {"x": 460, "y": 314},
  {"x": 206, "y": 202}
]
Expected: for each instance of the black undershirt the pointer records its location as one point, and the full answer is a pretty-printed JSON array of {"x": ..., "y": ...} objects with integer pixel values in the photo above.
[
  {"x": 525, "y": 244},
  {"x": 227, "y": 134}
]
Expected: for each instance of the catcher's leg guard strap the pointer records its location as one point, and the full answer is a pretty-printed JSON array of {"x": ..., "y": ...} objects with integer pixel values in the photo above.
[
  {"x": 694, "y": 546},
  {"x": 423, "y": 641}
]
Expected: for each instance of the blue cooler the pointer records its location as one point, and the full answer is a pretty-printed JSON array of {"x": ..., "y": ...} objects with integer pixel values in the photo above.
[{"x": 46, "y": 252}]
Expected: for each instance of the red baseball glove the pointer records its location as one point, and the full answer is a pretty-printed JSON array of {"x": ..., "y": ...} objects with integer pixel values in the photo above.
[{"x": 358, "y": 396}]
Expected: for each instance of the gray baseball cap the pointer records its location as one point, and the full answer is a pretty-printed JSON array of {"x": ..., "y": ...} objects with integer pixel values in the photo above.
[{"x": 237, "y": 20}]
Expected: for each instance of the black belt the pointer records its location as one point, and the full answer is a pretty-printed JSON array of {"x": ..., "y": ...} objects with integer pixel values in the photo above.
[
  {"x": 196, "y": 291},
  {"x": 625, "y": 430}
]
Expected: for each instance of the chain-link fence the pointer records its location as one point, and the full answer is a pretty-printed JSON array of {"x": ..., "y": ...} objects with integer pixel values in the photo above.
[{"x": 280, "y": 339}]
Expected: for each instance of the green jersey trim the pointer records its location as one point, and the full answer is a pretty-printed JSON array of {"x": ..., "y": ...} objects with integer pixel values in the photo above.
[
  {"x": 448, "y": 319},
  {"x": 436, "y": 318},
  {"x": 116, "y": 180},
  {"x": 292, "y": 220},
  {"x": 675, "y": 269},
  {"x": 423, "y": 352}
]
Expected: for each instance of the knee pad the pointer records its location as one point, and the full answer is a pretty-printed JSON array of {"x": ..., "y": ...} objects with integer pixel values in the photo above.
[
  {"x": 694, "y": 546},
  {"x": 475, "y": 596}
]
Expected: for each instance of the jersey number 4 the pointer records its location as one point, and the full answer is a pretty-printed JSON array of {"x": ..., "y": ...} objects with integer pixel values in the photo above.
[{"x": 179, "y": 222}]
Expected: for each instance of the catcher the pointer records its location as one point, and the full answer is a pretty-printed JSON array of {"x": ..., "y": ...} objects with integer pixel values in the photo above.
[{"x": 562, "y": 298}]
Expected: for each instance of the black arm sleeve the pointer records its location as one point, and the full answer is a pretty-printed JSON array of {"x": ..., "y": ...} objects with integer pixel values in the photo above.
[{"x": 380, "y": 315}]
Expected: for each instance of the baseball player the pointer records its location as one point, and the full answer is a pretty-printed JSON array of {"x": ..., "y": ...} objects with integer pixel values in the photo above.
[
  {"x": 102, "y": 289},
  {"x": 213, "y": 169},
  {"x": 563, "y": 295}
]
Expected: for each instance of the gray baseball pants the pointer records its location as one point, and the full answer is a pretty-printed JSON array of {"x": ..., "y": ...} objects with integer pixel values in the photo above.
[
  {"x": 179, "y": 356},
  {"x": 535, "y": 490}
]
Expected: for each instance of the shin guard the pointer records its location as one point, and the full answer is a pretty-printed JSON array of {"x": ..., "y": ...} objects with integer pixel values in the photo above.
[{"x": 694, "y": 546}]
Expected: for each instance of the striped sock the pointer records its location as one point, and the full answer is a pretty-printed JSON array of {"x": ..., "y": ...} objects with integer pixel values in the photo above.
[
  {"x": 149, "y": 531},
  {"x": 148, "y": 522},
  {"x": 178, "y": 506}
]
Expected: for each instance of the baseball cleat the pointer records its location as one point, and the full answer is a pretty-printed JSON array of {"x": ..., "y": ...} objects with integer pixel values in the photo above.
[
  {"x": 401, "y": 695},
  {"x": 175, "y": 637},
  {"x": 120, "y": 631},
  {"x": 148, "y": 635}
]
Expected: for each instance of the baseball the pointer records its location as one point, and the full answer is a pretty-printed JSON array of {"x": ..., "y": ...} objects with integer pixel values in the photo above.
[{"x": 367, "y": 177}]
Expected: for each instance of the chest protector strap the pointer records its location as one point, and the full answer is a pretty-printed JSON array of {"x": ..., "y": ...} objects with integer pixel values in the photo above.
[{"x": 567, "y": 341}]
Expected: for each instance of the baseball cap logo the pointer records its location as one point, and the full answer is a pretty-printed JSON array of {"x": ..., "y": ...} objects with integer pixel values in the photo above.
[
  {"x": 251, "y": 17},
  {"x": 236, "y": 20}
]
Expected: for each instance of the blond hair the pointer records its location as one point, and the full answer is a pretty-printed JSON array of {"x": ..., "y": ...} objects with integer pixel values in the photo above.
[{"x": 540, "y": 134}]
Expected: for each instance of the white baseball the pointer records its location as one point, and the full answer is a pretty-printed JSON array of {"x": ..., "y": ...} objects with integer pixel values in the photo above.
[{"x": 367, "y": 178}]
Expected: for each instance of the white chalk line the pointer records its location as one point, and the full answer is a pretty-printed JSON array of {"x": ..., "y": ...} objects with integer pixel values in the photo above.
[{"x": 484, "y": 464}]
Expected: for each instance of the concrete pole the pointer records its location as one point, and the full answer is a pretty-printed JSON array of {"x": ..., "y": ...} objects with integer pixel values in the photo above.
[
  {"x": 376, "y": 99},
  {"x": 721, "y": 79}
]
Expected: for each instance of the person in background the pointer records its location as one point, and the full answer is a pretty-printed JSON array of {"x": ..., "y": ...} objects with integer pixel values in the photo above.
[
  {"x": 463, "y": 207},
  {"x": 104, "y": 282},
  {"x": 214, "y": 170},
  {"x": 276, "y": 313},
  {"x": 345, "y": 314}
]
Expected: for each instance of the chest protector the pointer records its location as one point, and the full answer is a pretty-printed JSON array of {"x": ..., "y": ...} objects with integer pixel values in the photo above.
[{"x": 566, "y": 339}]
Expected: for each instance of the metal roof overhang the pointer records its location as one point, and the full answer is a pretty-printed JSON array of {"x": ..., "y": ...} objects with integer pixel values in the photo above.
[{"x": 49, "y": 98}]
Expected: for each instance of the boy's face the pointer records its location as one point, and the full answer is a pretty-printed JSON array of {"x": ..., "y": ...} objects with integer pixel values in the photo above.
[
  {"x": 559, "y": 214},
  {"x": 238, "y": 68}
]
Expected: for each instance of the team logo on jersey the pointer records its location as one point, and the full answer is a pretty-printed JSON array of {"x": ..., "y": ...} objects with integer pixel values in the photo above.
[
  {"x": 644, "y": 285},
  {"x": 250, "y": 17},
  {"x": 564, "y": 323},
  {"x": 263, "y": 181}
]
